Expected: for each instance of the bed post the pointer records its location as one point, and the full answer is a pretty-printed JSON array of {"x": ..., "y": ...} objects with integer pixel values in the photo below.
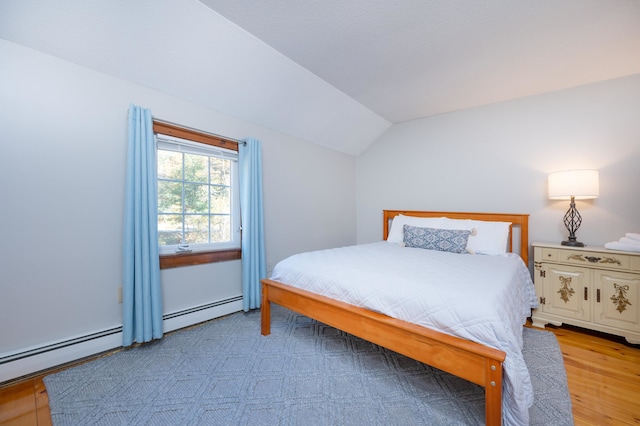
[
  {"x": 524, "y": 239},
  {"x": 265, "y": 312},
  {"x": 493, "y": 393}
]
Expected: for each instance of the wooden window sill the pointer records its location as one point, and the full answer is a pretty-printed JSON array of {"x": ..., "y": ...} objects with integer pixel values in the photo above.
[{"x": 198, "y": 258}]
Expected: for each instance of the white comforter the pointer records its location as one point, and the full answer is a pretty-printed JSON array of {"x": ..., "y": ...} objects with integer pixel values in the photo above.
[{"x": 481, "y": 298}]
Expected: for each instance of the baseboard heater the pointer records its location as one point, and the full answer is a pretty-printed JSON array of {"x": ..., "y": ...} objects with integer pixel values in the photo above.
[{"x": 33, "y": 360}]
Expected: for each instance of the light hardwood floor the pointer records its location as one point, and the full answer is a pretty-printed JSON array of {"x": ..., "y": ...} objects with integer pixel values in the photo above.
[{"x": 603, "y": 375}]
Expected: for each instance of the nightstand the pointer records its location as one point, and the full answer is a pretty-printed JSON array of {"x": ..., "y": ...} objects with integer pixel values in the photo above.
[{"x": 589, "y": 287}]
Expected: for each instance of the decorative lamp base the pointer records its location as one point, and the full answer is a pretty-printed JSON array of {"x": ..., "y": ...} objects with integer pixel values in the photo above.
[
  {"x": 572, "y": 243},
  {"x": 572, "y": 220}
]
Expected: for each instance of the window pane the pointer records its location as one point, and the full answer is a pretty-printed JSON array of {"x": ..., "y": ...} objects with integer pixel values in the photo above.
[
  {"x": 169, "y": 197},
  {"x": 195, "y": 168},
  {"x": 220, "y": 199},
  {"x": 220, "y": 171},
  {"x": 169, "y": 165},
  {"x": 195, "y": 198},
  {"x": 220, "y": 229},
  {"x": 196, "y": 229},
  {"x": 169, "y": 229}
]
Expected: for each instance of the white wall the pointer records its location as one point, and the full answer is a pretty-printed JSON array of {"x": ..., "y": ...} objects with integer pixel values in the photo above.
[
  {"x": 62, "y": 172},
  {"x": 496, "y": 159}
]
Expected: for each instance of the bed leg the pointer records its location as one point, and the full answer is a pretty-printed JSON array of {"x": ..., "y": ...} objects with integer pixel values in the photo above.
[
  {"x": 493, "y": 394},
  {"x": 265, "y": 312}
]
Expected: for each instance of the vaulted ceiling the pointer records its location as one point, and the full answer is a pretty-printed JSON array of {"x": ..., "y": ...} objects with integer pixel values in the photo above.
[
  {"x": 406, "y": 59},
  {"x": 337, "y": 72}
]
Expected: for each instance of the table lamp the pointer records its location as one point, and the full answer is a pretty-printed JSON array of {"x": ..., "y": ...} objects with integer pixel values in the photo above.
[{"x": 573, "y": 185}]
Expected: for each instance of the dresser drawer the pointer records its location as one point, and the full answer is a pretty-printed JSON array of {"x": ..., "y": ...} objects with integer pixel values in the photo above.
[
  {"x": 603, "y": 260},
  {"x": 549, "y": 254}
]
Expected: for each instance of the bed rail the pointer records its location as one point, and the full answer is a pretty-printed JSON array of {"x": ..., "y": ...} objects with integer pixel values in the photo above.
[{"x": 469, "y": 360}]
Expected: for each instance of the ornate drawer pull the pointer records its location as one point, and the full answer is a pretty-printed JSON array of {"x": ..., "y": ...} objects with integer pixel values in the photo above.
[{"x": 594, "y": 259}]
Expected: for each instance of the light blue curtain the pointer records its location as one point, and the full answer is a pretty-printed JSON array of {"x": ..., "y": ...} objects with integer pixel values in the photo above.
[
  {"x": 254, "y": 266},
  {"x": 141, "y": 293}
]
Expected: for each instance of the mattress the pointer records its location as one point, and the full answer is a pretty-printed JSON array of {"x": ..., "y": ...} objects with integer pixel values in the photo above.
[{"x": 485, "y": 299}]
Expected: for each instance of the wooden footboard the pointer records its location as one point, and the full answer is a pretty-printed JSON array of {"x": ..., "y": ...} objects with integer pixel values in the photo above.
[{"x": 469, "y": 360}]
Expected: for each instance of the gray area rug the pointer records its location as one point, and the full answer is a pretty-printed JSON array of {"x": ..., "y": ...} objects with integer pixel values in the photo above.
[{"x": 224, "y": 372}]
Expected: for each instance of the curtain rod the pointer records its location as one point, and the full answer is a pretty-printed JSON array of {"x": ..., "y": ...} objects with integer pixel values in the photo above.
[{"x": 199, "y": 131}]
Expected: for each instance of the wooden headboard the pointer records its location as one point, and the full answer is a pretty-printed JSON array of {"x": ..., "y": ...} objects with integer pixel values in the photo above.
[{"x": 519, "y": 220}]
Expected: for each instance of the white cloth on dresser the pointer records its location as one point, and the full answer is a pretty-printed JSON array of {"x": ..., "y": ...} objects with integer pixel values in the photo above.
[
  {"x": 633, "y": 236},
  {"x": 630, "y": 242}
]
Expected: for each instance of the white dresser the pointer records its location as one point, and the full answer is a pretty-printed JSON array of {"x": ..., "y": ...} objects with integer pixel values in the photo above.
[{"x": 589, "y": 287}]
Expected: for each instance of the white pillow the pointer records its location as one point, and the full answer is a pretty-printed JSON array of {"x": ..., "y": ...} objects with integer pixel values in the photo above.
[
  {"x": 489, "y": 238},
  {"x": 396, "y": 233}
]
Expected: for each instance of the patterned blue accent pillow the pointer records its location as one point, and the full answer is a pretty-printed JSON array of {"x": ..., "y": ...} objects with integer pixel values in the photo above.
[{"x": 451, "y": 240}]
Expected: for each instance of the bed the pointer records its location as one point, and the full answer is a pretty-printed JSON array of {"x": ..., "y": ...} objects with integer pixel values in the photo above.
[{"x": 438, "y": 346}]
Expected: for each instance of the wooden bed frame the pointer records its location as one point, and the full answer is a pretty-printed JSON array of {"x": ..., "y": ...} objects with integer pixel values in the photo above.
[{"x": 471, "y": 361}]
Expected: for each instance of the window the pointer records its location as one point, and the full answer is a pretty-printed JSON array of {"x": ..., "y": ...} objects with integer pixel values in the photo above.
[{"x": 198, "y": 197}]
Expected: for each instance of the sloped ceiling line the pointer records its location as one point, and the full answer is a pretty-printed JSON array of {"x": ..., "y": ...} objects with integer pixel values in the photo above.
[{"x": 337, "y": 73}]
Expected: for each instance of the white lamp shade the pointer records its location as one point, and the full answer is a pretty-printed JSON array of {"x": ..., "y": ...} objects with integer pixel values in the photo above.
[{"x": 581, "y": 184}]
